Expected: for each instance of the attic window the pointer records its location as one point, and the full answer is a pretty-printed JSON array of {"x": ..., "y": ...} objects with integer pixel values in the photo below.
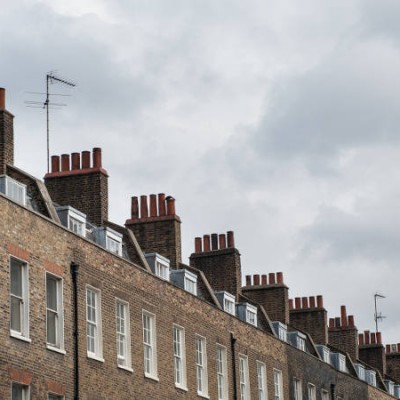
[
  {"x": 280, "y": 330},
  {"x": 159, "y": 265},
  {"x": 339, "y": 361},
  {"x": 298, "y": 340},
  {"x": 72, "y": 219},
  {"x": 247, "y": 312},
  {"x": 324, "y": 353},
  {"x": 360, "y": 371},
  {"x": 13, "y": 189},
  {"x": 370, "y": 377},
  {"x": 227, "y": 301},
  {"x": 390, "y": 386},
  {"x": 109, "y": 239},
  {"x": 185, "y": 280},
  {"x": 191, "y": 283}
]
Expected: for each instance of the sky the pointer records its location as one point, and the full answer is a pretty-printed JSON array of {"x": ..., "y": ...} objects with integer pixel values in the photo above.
[{"x": 275, "y": 119}]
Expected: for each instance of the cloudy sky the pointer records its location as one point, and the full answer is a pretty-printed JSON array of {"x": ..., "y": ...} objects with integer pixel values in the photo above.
[{"x": 276, "y": 119}]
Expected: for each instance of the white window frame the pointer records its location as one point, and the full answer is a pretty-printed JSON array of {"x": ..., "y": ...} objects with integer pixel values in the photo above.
[
  {"x": 278, "y": 384},
  {"x": 297, "y": 389},
  {"x": 76, "y": 225},
  {"x": 161, "y": 269},
  {"x": 113, "y": 243},
  {"x": 229, "y": 305},
  {"x": 190, "y": 282},
  {"x": 123, "y": 334},
  {"x": 311, "y": 392},
  {"x": 324, "y": 394},
  {"x": 149, "y": 345},
  {"x": 261, "y": 380},
  {"x": 201, "y": 366},
  {"x": 178, "y": 338},
  {"x": 58, "y": 313},
  {"x": 222, "y": 372},
  {"x": 13, "y": 189},
  {"x": 251, "y": 314},
  {"x": 25, "y": 391},
  {"x": 20, "y": 300},
  {"x": 244, "y": 379},
  {"x": 94, "y": 321}
]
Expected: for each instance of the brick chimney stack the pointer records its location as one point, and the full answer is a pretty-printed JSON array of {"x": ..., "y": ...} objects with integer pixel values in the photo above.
[
  {"x": 156, "y": 226},
  {"x": 219, "y": 260},
  {"x": 6, "y": 135},
  {"x": 308, "y": 314},
  {"x": 372, "y": 351},
  {"x": 271, "y": 292},
  {"x": 393, "y": 361},
  {"x": 74, "y": 181},
  {"x": 343, "y": 334}
]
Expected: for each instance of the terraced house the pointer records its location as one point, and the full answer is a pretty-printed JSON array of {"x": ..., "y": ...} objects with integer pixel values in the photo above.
[{"x": 93, "y": 310}]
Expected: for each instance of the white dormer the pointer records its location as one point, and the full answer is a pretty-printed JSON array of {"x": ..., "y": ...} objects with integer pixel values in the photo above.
[
  {"x": 280, "y": 330},
  {"x": 247, "y": 312},
  {"x": 370, "y": 377},
  {"x": 185, "y": 280},
  {"x": 159, "y": 265},
  {"x": 72, "y": 219},
  {"x": 324, "y": 353},
  {"x": 390, "y": 386},
  {"x": 227, "y": 301},
  {"x": 13, "y": 189},
  {"x": 338, "y": 360},
  {"x": 360, "y": 369},
  {"x": 297, "y": 339},
  {"x": 109, "y": 239}
]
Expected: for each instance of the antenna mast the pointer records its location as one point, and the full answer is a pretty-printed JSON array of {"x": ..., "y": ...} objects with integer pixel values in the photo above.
[
  {"x": 51, "y": 78},
  {"x": 378, "y": 316}
]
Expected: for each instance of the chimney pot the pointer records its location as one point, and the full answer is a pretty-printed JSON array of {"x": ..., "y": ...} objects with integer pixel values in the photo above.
[
  {"x": 271, "y": 278},
  {"x": 398, "y": 347},
  {"x": 206, "y": 241},
  {"x": 134, "y": 207},
  {"x": 198, "y": 245},
  {"x": 304, "y": 302},
  {"x": 214, "y": 241},
  {"x": 248, "y": 280},
  {"x": 256, "y": 280},
  {"x": 343, "y": 315},
  {"x": 144, "y": 212},
  {"x": 264, "y": 280},
  {"x": 279, "y": 277},
  {"x": 222, "y": 241},
  {"x": 388, "y": 348},
  {"x": 55, "y": 163},
  {"x": 97, "y": 157},
  {"x": 373, "y": 338},
  {"x": 65, "y": 162},
  {"x": 231, "y": 239},
  {"x": 85, "y": 159},
  {"x": 337, "y": 322},
  {"x": 76, "y": 161},
  {"x": 367, "y": 337},
  {"x": 360, "y": 339},
  {"x": 297, "y": 302},
  {"x": 153, "y": 205},
  {"x": 290, "y": 304},
  {"x": 2, "y": 99},
  {"x": 161, "y": 204},
  {"x": 170, "y": 206},
  {"x": 351, "y": 321},
  {"x": 320, "y": 302},
  {"x": 312, "y": 301},
  {"x": 331, "y": 322}
]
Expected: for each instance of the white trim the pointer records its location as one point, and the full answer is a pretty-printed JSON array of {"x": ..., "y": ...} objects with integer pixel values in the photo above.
[
  {"x": 95, "y": 323},
  {"x": 278, "y": 384},
  {"x": 311, "y": 392},
  {"x": 59, "y": 314},
  {"x": 178, "y": 338},
  {"x": 297, "y": 389},
  {"x": 222, "y": 372},
  {"x": 201, "y": 365},
  {"x": 149, "y": 345},
  {"x": 244, "y": 379},
  {"x": 261, "y": 380},
  {"x": 123, "y": 334}
]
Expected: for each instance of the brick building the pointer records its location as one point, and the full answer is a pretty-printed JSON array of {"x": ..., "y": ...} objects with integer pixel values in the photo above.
[{"x": 92, "y": 310}]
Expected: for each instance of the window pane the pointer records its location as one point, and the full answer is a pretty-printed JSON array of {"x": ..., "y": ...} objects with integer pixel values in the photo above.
[
  {"x": 16, "y": 314},
  {"x": 51, "y": 288},
  {"x": 51, "y": 327},
  {"x": 16, "y": 278}
]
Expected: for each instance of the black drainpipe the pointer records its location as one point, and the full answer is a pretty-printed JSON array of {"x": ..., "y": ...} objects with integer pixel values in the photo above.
[
  {"x": 233, "y": 341},
  {"x": 74, "y": 274},
  {"x": 333, "y": 391}
]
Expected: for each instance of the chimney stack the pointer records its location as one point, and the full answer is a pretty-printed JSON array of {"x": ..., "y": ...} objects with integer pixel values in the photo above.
[
  {"x": 372, "y": 351},
  {"x": 6, "y": 135}
]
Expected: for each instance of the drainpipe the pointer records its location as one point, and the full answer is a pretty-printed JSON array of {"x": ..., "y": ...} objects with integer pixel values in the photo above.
[
  {"x": 233, "y": 341},
  {"x": 74, "y": 274},
  {"x": 333, "y": 391}
]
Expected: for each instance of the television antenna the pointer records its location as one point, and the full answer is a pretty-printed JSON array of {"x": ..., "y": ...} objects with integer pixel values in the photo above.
[
  {"x": 378, "y": 316},
  {"x": 51, "y": 78}
]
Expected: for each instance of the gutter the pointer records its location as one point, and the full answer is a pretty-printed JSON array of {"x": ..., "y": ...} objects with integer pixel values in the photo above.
[
  {"x": 74, "y": 275},
  {"x": 233, "y": 341}
]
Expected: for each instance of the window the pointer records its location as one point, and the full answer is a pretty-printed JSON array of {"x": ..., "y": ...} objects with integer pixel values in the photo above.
[
  {"x": 227, "y": 301},
  {"x": 298, "y": 390},
  {"x": 201, "y": 366},
  {"x": 179, "y": 356},
  {"x": 312, "y": 393},
  {"x": 298, "y": 340},
  {"x": 55, "y": 397},
  {"x": 191, "y": 283},
  {"x": 280, "y": 330},
  {"x": 73, "y": 219},
  {"x": 93, "y": 324},
  {"x": 251, "y": 315},
  {"x": 222, "y": 374},
  {"x": 229, "y": 306},
  {"x": 324, "y": 395},
  {"x": 371, "y": 377},
  {"x": 123, "y": 334},
  {"x": 19, "y": 299},
  {"x": 76, "y": 226},
  {"x": 54, "y": 312},
  {"x": 324, "y": 353},
  {"x": 244, "y": 378},
  {"x": 278, "y": 385},
  {"x": 109, "y": 239},
  {"x": 261, "y": 380},
  {"x": 158, "y": 264},
  {"x": 19, "y": 392},
  {"x": 162, "y": 270},
  {"x": 149, "y": 345},
  {"x": 13, "y": 189}
]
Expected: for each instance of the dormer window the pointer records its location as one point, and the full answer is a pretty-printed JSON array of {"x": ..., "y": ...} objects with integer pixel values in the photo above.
[
  {"x": 13, "y": 189},
  {"x": 339, "y": 361},
  {"x": 360, "y": 371},
  {"x": 185, "y": 280},
  {"x": 109, "y": 239},
  {"x": 247, "y": 312},
  {"x": 280, "y": 330},
  {"x": 72, "y": 219},
  {"x": 298, "y": 340},
  {"x": 159, "y": 265},
  {"x": 370, "y": 377},
  {"x": 324, "y": 353},
  {"x": 390, "y": 386},
  {"x": 227, "y": 301}
]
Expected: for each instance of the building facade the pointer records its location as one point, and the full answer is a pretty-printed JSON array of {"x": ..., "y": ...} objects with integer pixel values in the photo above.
[{"x": 92, "y": 310}]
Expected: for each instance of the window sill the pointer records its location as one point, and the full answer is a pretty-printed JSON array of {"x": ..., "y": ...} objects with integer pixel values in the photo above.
[
  {"x": 56, "y": 349},
  {"x": 129, "y": 369},
  {"x": 203, "y": 395},
  {"x": 94, "y": 357},
  {"x": 152, "y": 377},
  {"x": 18, "y": 336},
  {"x": 180, "y": 387}
]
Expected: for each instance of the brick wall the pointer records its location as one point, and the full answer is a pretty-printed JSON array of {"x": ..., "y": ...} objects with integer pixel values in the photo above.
[
  {"x": 6, "y": 135},
  {"x": 393, "y": 361}
]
